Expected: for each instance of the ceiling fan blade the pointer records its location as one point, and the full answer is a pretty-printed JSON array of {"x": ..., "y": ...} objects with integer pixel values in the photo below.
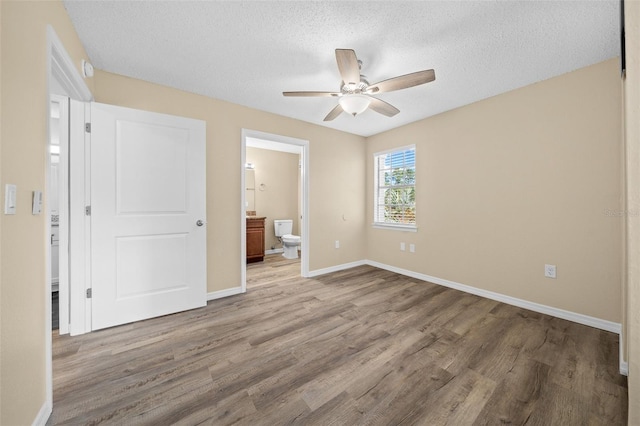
[
  {"x": 402, "y": 82},
  {"x": 334, "y": 113},
  {"x": 348, "y": 65},
  {"x": 382, "y": 107},
  {"x": 316, "y": 94}
]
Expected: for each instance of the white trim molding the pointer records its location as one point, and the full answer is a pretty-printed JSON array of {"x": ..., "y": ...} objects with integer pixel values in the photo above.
[
  {"x": 624, "y": 366},
  {"x": 62, "y": 68},
  {"x": 587, "y": 320},
  {"x": 274, "y": 251},
  {"x": 395, "y": 227},
  {"x": 43, "y": 414},
  {"x": 225, "y": 293},
  {"x": 303, "y": 145},
  {"x": 590, "y": 321},
  {"x": 336, "y": 268},
  {"x": 601, "y": 324}
]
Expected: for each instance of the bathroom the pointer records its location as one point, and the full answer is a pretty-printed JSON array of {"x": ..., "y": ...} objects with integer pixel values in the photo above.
[{"x": 273, "y": 188}]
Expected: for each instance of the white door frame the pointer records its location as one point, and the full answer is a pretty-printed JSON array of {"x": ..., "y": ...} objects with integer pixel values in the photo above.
[
  {"x": 79, "y": 224},
  {"x": 60, "y": 69},
  {"x": 246, "y": 133},
  {"x": 63, "y": 211}
]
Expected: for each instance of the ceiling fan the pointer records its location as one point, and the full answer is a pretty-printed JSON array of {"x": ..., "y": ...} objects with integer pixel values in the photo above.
[{"x": 355, "y": 92}]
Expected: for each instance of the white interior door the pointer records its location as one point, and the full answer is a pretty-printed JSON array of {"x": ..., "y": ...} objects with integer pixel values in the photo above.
[{"x": 148, "y": 236}]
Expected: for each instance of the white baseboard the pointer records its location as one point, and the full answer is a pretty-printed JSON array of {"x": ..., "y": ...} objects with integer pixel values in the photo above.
[
  {"x": 274, "y": 251},
  {"x": 613, "y": 327},
  {"x": 43, "y": 414},
  {"x": 336, "y": 268},
  {"x": 590, "y": 321},
  {"x": 623, "y": 365},
  {"x": 224, "y": 293},
  {"x": 601, "y": 324},
  {"x": 624, "y": 368}
]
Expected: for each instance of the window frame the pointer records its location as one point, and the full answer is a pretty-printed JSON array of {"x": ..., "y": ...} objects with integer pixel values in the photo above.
[{"x": 410, "y": 227}]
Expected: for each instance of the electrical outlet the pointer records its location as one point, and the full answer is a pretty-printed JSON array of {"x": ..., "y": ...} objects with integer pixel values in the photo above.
[
  {"x": 550, "y": 271},
  {"x": 337, "y": 243},
  {"x": 412, "y": 248},
  {"x": 402, "y": 246}
]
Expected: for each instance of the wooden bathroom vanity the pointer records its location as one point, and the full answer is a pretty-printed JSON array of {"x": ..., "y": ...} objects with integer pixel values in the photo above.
[{"x": 255, "y": 239}]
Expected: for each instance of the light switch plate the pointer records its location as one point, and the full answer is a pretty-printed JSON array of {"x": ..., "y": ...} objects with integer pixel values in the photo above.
[
  {"x": 10, "y": 196},
  {"x": 36, "y": 208}
]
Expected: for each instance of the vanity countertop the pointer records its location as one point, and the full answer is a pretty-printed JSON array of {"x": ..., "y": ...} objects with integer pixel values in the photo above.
[{"x": 256, "y": 217}]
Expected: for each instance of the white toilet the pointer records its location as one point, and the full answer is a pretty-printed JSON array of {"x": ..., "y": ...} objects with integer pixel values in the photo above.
[{"x": 290, "y": 243}]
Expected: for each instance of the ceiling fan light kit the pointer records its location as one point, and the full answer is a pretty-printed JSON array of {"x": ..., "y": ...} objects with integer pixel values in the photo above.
[
  {"x": 354, "y": 96},
  {"x": 354, "y": 104}
]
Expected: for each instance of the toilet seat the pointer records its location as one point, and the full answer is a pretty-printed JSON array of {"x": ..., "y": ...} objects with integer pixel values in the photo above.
[{"x": 291, "y": 239}]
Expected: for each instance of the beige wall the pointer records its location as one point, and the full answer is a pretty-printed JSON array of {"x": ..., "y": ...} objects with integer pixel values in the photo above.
[
  {"x": 632, "y": 140},
  {"x": 224, "y": 124},
  {"x": 510, "y": 183},
  {"x": 22, "y": 243},
  {"x": 276, "y": 189}
]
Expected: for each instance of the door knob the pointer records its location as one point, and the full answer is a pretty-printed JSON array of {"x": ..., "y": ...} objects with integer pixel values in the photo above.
[{"x": 199, "y": 223}]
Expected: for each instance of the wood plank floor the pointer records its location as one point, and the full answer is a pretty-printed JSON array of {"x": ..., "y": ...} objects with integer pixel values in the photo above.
[{"x": 357, "y": 347}]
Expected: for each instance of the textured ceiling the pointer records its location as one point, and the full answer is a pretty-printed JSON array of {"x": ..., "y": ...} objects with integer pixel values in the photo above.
[{"x": 248, "y": 53}]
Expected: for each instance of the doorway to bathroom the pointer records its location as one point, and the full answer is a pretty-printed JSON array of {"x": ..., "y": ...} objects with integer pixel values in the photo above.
[{"x": 274, "y": 186}]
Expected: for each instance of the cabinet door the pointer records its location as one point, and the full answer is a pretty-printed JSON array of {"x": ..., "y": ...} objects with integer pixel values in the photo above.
[{"x": 255, "y": 242}]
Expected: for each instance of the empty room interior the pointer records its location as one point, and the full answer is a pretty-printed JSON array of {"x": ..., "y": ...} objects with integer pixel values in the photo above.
[{"x": 272, "y": 212}]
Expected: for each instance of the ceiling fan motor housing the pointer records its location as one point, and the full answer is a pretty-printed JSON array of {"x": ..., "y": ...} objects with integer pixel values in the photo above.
[{"x": 350, "y": 89}]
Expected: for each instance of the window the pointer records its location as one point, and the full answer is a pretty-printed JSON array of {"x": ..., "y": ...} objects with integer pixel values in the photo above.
[{"x": 395, "y": 192}]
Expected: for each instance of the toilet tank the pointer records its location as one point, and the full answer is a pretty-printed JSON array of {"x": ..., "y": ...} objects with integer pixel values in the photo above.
[{"x": 283, "y": 227}]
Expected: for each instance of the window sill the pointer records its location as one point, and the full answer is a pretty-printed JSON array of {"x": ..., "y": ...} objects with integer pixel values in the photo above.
[{"x": 396, "y": 227}]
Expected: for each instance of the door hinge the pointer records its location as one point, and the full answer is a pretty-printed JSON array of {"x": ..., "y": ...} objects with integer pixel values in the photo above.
[
  {"x": 87, "y": 127},
  {"x": 87, "y": 210},
  {"x": 88, "y": 293}
]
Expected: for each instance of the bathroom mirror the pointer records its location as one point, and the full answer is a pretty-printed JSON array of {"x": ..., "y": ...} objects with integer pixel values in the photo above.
[{"x": 250, "y": 189}]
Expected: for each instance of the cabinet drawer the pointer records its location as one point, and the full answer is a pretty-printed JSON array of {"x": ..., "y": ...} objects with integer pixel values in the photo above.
[{"x": 258, "y": 223}]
